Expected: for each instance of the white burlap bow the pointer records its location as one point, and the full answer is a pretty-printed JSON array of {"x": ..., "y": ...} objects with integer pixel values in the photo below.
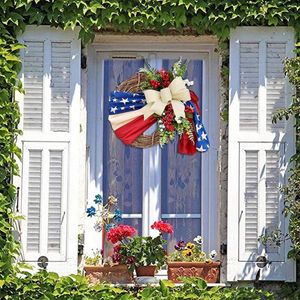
[{"x": 176, "y": 94}]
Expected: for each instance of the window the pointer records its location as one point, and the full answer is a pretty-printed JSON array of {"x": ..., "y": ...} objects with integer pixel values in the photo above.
[{"x": 154, "y": 183}]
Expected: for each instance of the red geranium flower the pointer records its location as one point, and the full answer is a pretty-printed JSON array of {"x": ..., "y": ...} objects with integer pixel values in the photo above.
[
  {"x": 116, "y": 257},
  {"x": 120, "y": 232},
  {"x": 130, "y": 260},
  {"x": 162, "y": 227},
  {"x": 117, "y": 248}
]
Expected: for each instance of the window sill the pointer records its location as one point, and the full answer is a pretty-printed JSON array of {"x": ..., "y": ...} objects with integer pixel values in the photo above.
[{"x": 132, "y": 285}]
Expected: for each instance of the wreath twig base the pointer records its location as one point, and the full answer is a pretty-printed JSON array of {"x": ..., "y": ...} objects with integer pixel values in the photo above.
[{"x": 132, "y": 85}]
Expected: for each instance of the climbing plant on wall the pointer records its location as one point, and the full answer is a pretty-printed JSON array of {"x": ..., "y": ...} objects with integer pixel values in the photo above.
[
  {"x": 292, "y": 189},
  {"x": 173, "y": 16}
]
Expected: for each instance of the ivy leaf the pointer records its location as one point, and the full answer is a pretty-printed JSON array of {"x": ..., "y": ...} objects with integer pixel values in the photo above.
[
  {"x": 17, "y": 47},
  {"x": 11, "y": 57},
  {"x": 38, "y": 18}
]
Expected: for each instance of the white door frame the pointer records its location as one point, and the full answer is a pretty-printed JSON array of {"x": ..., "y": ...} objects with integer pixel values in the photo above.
[{"x": 114, "y": 45}]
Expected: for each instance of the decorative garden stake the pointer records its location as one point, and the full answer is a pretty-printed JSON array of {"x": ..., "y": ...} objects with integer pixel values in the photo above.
[
  {"x": 107, "y": 215},
  {"x": 97, "y": 268},
  {"x": 160, "y": 97}
]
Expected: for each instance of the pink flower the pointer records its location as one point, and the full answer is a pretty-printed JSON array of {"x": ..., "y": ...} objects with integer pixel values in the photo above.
[
  {"x": 130, "y": 260},
  {"x": 120, "y": 232},
  {"x": 116, "y": 257},
  {"x": 163, "y": 227},
  {"x": 117, "y": 248}
]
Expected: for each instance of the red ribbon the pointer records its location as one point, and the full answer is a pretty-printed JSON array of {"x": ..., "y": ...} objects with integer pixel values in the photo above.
[
  {"x": 132, "y": 130},
  {"x": 185, "y": 145}
]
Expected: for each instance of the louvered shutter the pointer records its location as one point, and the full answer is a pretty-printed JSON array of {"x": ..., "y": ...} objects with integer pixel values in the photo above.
[
  {"x": 50, "y": 124},
  {"x": 259, "y": 152}
]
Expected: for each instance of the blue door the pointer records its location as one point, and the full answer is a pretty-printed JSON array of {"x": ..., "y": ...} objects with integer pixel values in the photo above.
[{"x": 155, "y": 183}]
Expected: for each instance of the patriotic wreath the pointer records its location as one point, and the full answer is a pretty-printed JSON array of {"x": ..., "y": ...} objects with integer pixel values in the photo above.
[{"x": 162, "y": 97}]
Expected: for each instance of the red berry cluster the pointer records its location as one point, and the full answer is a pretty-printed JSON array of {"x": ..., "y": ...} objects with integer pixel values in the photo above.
[
  {"x": 189, "y": 110},
  {"x": 165, "y": 76},
  {"x": 168, "y": 118},
  {"x": 163, "y": 227},
  {"x": 155, "y": 84},
  {"x": 120, "y": 232}
]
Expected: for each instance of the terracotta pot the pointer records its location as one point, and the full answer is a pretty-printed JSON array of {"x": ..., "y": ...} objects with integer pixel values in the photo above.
[
  {"x": 210, "y": 272},
  {"x": 113, "y": 274},
  {"x": 145, "y": 271}
]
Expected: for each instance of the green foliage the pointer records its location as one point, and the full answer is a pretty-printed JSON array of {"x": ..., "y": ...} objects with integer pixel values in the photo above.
[
  {"x": 292, "y": 189},
  {"x": 189, "y": 252},
  {"x": 95, "y": 259},
  {"x": 146, "y": 251},
  {"x": 209, "y": 17},
  {"x": 47, "y": 285},
  {"x": 194, "y": 288},
  {"x": 9, "y": 118}
]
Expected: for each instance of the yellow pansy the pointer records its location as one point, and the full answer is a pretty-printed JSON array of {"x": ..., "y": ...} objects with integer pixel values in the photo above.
[
  {"x": 190, "y": 245},
  {"x": 187, "y": 252}
]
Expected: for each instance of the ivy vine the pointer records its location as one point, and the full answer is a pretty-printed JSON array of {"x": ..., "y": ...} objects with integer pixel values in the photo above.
[
  {"x": 195, "y": 16},
  {"x": 292, "y": 189}
]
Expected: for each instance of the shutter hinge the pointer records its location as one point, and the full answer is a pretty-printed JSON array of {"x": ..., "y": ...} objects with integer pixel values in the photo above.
[
  {"x": 17, "y": 199},
  {"x": 223, "y": 249},
  {"x": 83, "y": 61}
]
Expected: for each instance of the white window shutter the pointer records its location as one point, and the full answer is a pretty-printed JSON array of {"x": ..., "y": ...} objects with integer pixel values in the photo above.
[
  {"x": 50, "y": 122},
  {"x": 259, "y": 152}
]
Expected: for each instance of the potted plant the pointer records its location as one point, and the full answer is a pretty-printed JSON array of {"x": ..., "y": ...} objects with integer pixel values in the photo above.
[
  {"x": 188, "y": 260},
  {"x": 97, "y": 268},
  {"x": 145, "y": 255}
]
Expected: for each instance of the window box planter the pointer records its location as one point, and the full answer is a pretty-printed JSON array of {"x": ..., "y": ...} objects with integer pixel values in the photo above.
[
  {"x": 145, "y": 271},
  {"x": 210, "y": 272},
  {"x": 113, "y": 274}
]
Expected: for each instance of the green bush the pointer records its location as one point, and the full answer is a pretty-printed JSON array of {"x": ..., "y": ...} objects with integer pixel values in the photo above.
[
  {"x": 47, "y": 285},
  {"x": 197, "y": 289},
  {"x": 200, "y": 17}
]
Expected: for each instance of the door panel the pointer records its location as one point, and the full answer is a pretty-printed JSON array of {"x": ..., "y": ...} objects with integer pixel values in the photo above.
[
  {"x": 181, "y": 176},
  {"x": 122, "y": 165}
]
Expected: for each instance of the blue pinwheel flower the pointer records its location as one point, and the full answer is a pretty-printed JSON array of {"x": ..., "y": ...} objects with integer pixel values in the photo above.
[
  {"x": 91, "y": 211},
  {"x": 108, "y": 227},
  {"x": 98, "y": 199},
  {"x": 118, "y": 215}
]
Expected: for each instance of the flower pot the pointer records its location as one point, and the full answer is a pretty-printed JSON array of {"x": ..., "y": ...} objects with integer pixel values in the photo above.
[
  {"x": 210, "y": 272},
  {"x": 145, "y": 271},
  {"x": 111, "y": 274}
]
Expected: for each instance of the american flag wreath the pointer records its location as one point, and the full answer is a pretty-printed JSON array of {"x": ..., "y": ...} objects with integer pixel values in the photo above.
[{"x": 163, "y": 98}]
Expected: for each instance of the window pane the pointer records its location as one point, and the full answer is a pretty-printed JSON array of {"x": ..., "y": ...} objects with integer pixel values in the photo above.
[
  {"x": 122, "y": 165},
  {"x": 181, "y": 174},
  {"x": 184, "y": 230},
  {"x": 134, "y": 222}
]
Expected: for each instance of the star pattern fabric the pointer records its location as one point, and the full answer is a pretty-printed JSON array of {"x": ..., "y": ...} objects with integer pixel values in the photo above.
[
  {"x": 120, "y": 102},
  {"x": 202, "y": 141}
]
